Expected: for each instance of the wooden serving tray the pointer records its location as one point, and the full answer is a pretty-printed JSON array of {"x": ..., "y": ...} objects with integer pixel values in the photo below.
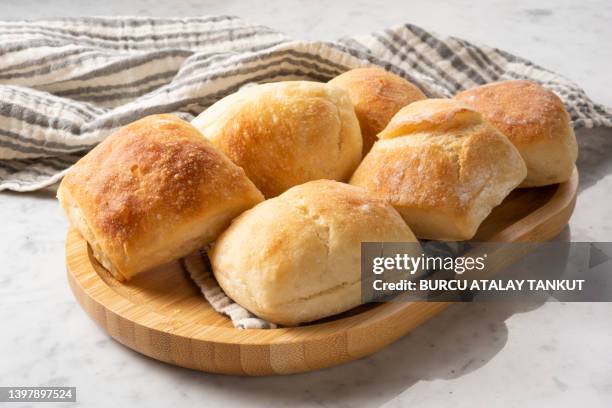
[{"x": 162, "y": 314}]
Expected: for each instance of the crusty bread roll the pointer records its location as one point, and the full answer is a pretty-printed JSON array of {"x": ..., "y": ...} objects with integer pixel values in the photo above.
[
  {"x": 443, "y": 167},
  {"x": 153, "y": 192},
  {"x": 296, "y": 258},
  {"x": 286, "y": 133},
  {"x": 377, "y": 95},
  {"x": 535, "y": 121}
]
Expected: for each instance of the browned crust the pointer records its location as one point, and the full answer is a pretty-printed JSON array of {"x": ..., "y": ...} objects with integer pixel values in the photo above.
[
  {"x": 434, "y": 173},
  {"x": 431, "y": 115},
  {"x": 252, "y": 141},
  {"x": 156, "y": 171},
  {"x": 442, "y": 166},
  {"x": 524, "y": 111},
  {"x": 286, "y": 133},
  {"x": 377, "y": 95}
]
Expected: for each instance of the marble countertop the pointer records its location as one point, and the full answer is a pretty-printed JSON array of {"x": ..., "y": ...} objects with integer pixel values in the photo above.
[{"x": 544, "y": 354}]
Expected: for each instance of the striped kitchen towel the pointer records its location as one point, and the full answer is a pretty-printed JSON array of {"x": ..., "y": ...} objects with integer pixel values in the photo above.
[
  {"x": 197, "y": 265},
  {"x": 66, "y": 84}
]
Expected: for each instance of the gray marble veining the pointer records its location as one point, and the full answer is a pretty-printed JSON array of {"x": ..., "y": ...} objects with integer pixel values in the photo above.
[{"x": 540, "y": 354}]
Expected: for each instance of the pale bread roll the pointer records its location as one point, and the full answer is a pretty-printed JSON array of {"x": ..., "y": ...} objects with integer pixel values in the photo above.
[
  {"x": 377, "y": 95},
  {"x": 296, "y": 258},
  {"x": 535, "y": 121},
  {"x": 151, "y": 193},
  {"x": 443, "y": 167},
  {"x": 286, "y": 133}
]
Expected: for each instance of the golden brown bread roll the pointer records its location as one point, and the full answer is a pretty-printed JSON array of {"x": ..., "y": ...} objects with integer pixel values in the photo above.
[
  {"x": 377, "y": 95},
  {"x": 443, "y": 167},
  {"x": 535, "y": 121},
  {"x": 286, "y": 133},
  {"x": 296, "y": 258},
  {"x": 153, "y": 192}
]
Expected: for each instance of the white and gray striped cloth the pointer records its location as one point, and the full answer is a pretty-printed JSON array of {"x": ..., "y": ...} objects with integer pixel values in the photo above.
[
  {"x": 198, "y": 267},
  {"x": 66, "y": 84}
]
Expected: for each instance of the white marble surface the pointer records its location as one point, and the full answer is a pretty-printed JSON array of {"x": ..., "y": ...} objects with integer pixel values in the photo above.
[{"x": 547, "y": 354}]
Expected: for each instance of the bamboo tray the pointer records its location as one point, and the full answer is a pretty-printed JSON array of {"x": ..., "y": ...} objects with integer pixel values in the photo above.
[{"x": 163, "y": 315}]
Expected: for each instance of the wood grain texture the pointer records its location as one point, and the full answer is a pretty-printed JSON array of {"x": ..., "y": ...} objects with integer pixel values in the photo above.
[{"x": 162, "y": 314}]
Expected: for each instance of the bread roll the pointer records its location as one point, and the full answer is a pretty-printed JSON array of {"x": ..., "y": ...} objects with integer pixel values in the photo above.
[
  {"x": 286, "y": 133},
  {"x": 443, "y": 167},
  {"x": 535, "y": 121},
  {"x": 377, "y": 95},
  {"x": 152, "y": 192},
  {"x": 296, "y": 258}
]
